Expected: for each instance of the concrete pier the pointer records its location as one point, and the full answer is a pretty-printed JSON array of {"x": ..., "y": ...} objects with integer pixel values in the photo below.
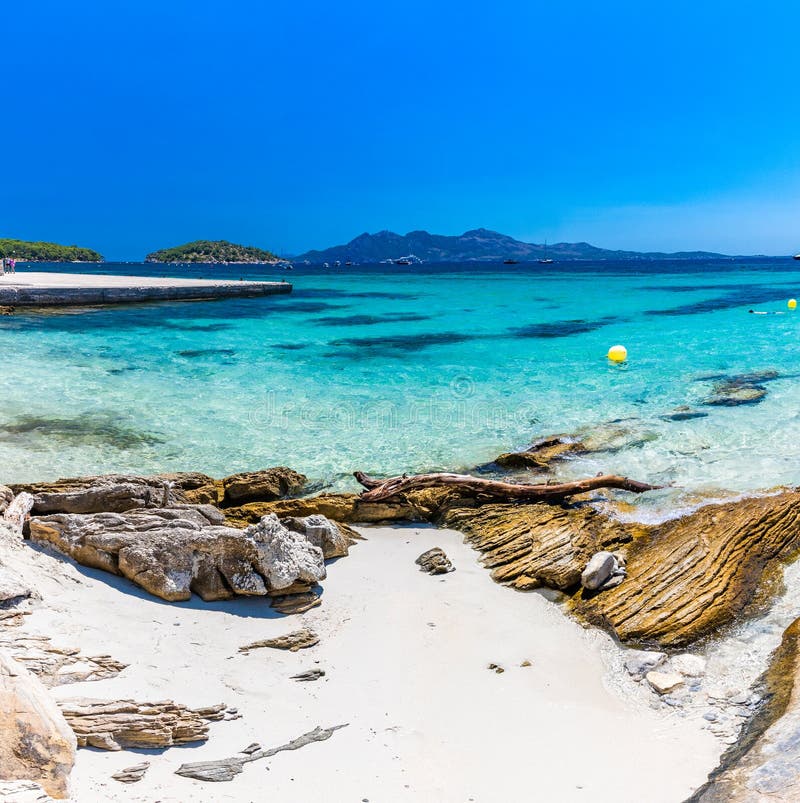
[{"x": 58, "y": 289}]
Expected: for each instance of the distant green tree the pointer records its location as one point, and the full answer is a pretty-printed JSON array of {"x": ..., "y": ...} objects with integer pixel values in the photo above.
[
  {"x": 211, "y": 251},
  {"x": 25, "y": 251}
]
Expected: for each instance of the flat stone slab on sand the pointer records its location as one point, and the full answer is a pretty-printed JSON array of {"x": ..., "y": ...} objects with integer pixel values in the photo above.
[{"x": 47, "y": 289}]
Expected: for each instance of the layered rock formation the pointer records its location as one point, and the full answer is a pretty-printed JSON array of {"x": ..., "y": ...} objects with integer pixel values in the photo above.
[
  {"x": 36, "y": 743},
  {"x": 530, "y": 546},
  {"x": 685, "y": 577},
  {"x": 688, "y": 576},
  {"x": 53, "y": 665},
  {"x": 114, "y": 724}
]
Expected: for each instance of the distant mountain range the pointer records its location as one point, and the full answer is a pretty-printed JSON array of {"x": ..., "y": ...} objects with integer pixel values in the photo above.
[{"x": 476, "y": 245}]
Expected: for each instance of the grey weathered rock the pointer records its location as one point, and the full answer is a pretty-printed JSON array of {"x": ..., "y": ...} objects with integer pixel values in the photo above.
[
  {"x": 297, "y": 640},
  {"x": 321, "y": 532},
  {"x": 17, "y": 511},
  {"x": 435, "y": 561},
  {"x": 172, "y": 552},
  {"x": 132, "y": 774},
  {"x": 309, "y": 675},
  {"x": 227, "y": 769},
  {"x": 640, "y": 662},
  {"x": 288, "y": 556},
  {"x": 36, "y": 744},
  {"x": 664, "y": 682},
  {"x": 111, "y": 493},
  {"x": 114, "y": 724},
  {"x": 598, "y": 571},
  {"x": 689, "y": 665},
  {"x": 6, "y": 495}
]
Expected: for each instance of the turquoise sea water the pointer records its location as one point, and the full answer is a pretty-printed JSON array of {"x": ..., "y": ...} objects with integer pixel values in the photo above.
[{"x": 390, "y": 369}]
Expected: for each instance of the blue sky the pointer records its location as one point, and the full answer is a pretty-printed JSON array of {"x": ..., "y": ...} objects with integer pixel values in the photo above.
[{"x": 135, "y": 125}]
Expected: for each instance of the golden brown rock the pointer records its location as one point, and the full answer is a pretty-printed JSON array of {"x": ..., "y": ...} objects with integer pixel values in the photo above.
[
  {"x": 296, "y": 603},
  {"x": 114, "y": 724},
  {"x": 541, "y": 454},
  {"x": 297, "y": 640},
  {"x": 262, "y": 486},
  {"x": 36, "y": 744},
  {"x": 337, "y": 507},
  {"x": 690, "y": 575},
  {"x": 528, "y": 546},
  {"x": 764, "y": 764}
]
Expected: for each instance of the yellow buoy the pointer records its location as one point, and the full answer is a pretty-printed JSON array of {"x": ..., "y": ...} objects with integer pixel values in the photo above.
[
  {"x": 617, "y": 354},
  {"x": 792, "y": 303}
]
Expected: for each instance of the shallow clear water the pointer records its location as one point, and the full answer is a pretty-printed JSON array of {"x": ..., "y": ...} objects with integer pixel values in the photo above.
[{"x": 391, "y": 369}]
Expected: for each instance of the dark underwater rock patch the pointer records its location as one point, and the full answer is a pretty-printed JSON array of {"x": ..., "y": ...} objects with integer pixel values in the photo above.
[
  {"x": 195, "y": 353},
  {"x": 397, "y": 345},
  {"x": 742, "y": 296},
  {"x": 683, "y": 415},
  {"x": 289, "y": 346},
  {"x": 737, "y": 389},
  {"x": 567, "y": 328},
  {"x": 90, "y": 429},
  {"x": 197, "y": 327},
  {"x": 369, "y": 320}
]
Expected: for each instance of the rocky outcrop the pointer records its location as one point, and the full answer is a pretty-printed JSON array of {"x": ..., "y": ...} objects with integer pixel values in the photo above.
[
  {"x": 764, "y": 764},
  {"x": 531, "y": 546},
  {"x": 690, "y": 575},
  {"x": 227, "y": 769},
  {"x": 541, "y": 454},
  {"x": 119, "y": 493},
  {"x": 36, "y": 744},
  {"x": 607, "y": 438},
  {"x": 262, "y": 486},
  {"x": 174, "y": 552},
  {"x": 337, "y": 507},
  {"x": 322, "y": 532},
  {"x": 112, "y": 493},
  {"x": 434, "y": 561},
  {"x": 114, "y": 724},
  {"x": 685, "y": 577},
  {"x": 297, "y": 640}
]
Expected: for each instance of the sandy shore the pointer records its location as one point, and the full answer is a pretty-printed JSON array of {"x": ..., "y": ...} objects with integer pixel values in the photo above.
[
  {"x": 406, "y": 658},
  {"x": 40, "y": 288}
]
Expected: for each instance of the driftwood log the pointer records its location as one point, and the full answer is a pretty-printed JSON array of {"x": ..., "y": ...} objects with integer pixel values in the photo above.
[{"x": 378, "y": 490}]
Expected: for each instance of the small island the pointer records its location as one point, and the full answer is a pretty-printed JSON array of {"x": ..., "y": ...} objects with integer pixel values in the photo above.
[
  {"x": 24, "y": 251},
  {"x": 213, "y": 251}
]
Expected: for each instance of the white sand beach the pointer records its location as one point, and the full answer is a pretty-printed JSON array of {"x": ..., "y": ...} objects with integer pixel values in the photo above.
[
  {"x": 406, "y": 657},
  {"x": 46, "y": 288}
]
